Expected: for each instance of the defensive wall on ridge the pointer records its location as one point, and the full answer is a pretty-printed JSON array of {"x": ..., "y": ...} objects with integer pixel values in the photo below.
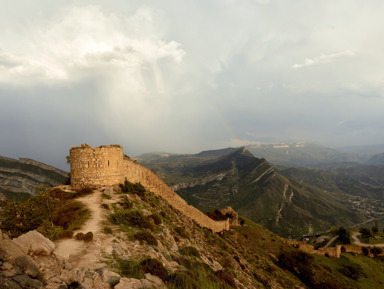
[
  {"x": 334, "y": 252},
  {"x": 107, "y": 166}
]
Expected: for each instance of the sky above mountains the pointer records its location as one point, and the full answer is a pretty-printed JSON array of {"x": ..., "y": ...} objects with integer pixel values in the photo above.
[{"x": 185, "y": 76}]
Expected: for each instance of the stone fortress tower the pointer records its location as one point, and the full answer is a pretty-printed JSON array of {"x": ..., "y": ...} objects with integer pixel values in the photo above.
[
  {"x": 96, "y": 167},
  {"x": 106, "y": 166}
]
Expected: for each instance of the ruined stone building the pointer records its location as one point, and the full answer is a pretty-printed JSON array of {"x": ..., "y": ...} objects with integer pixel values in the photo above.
[{"x": 106, "y": 166}]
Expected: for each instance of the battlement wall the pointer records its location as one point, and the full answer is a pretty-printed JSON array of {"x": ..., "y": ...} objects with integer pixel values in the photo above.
[
  {"x": 137, "y": 173},
  {"x": 106, "y": 166},
  {"x": 334, "y": 252}
]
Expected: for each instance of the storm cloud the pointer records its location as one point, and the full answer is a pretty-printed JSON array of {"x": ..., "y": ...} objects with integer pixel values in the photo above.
[{"x": 184, "y": 76}]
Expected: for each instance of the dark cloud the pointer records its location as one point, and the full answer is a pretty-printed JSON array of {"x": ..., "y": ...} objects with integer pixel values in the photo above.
[{"x": 183, "y": 76}]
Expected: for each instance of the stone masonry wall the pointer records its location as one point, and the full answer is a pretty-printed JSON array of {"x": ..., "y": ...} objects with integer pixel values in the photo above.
[
  {"x": 137, "y": 173},
  {"x": 101, "y": 166},
  {"x": 106, "y": 166},
  {"x": 334, "y": 252}
]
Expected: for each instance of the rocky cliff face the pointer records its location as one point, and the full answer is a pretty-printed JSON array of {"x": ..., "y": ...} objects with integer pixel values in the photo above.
[{"x": 19, "y": 178}]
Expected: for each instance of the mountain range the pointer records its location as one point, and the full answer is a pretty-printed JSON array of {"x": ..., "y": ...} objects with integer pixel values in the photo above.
[
  {"x": 313, "y": 155},
  {"x": 235, "y": 177}
]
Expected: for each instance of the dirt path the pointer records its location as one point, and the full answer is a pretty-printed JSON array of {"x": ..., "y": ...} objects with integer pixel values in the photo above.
[
  {"x": 78, "y": 252},
  {"x": 331, "y": 241},
  {"x": 358, "y": 243}
]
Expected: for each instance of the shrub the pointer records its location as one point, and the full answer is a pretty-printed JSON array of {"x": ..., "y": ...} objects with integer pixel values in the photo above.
[
  {"x": 181, "y": 280},
  {"x": 107, "y": 230},
  {"x": 88, "y": 237},
  {"x": 66, "y": 234},
  {"x": 375, "y": 228},
  {"x": 125, "y": 217},
  {"x": 132, "y": 218},
  {"x": 189, "y": 251},
  {"x": 61, "y": 195},
  {"x": 154, "y": 267},
  {"x": 105, "y": 206},
  {"x": 105, "y": 196},
  {"x": 181, "y": 231},
  {"x": 85, "y": 190},
  {"x": 36, "y": 210},
  {"x": 227, "y": 277},
  {"x": 128, "y": 187},
  {"x": 156, "y": 219},
  {"x": 146, "y": 237},
  {"x": 79, "y": 236},
  {"x": 50, "y": 231},
  {"x": 365, "y": 233},
  {"x": 130, "y": 269},
  {"x": 343, "y": 236},
  {"x": 125, "y": 203},
  {"x": 71, "y": 215},
  {"x": 376, "y": 251}
]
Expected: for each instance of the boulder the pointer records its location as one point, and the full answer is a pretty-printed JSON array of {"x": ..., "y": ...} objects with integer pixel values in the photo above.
[
  {"x": 34, "y": 243},
  {"x": 129, "y": 283},
  {"x": 7, "y": 283},
  {"x": 155, "y": 281},
  {"x": 10, "y": 250},
  {"x": 27, "y": 265},
  {"x": 27, "y": 282},
  {"x": 109, "y": 277}
]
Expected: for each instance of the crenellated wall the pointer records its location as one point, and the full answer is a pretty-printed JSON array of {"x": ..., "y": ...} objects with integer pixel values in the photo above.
[
  {"x": 137, "y": 173},
  {"x": 106, "y": 166},
  {"x": 334, "y": 252}
]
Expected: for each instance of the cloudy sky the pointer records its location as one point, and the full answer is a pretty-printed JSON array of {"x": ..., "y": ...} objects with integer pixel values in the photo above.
[{"x": 185, "y": 76}]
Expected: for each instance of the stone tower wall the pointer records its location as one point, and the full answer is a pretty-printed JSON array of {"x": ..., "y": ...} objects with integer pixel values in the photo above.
[
  {"x": 101, "y": 166},
  {"x": 106, "y": 166},
  {"x": 137, "y": 173}
]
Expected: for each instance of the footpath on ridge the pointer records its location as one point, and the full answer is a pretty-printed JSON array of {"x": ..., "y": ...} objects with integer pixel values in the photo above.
[{"x": 78, "y": 252}]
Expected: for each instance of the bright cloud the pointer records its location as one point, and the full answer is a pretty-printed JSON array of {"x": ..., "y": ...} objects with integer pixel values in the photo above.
[
  {"x": 324, "y": 58},
  {"x": 86, "y": 38}
]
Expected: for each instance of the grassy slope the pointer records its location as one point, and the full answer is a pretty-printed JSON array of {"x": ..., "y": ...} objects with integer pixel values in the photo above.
[{"x": 360, "y": 180}]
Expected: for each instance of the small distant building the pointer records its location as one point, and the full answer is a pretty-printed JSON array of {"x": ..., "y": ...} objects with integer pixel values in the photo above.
[{"x": 310, "y": 230}]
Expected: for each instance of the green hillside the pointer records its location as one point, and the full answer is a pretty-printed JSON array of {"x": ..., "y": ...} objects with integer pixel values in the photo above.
[{"x": 234, "y": 177}]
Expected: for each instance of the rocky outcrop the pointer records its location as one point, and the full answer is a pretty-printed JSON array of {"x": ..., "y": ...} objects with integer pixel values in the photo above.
[
  {"x": 35, "y": 244},
  {"x": 23, "y": 175},
  {"x": 29, "y": 261},
  {"x": 199, "y": 182}
]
